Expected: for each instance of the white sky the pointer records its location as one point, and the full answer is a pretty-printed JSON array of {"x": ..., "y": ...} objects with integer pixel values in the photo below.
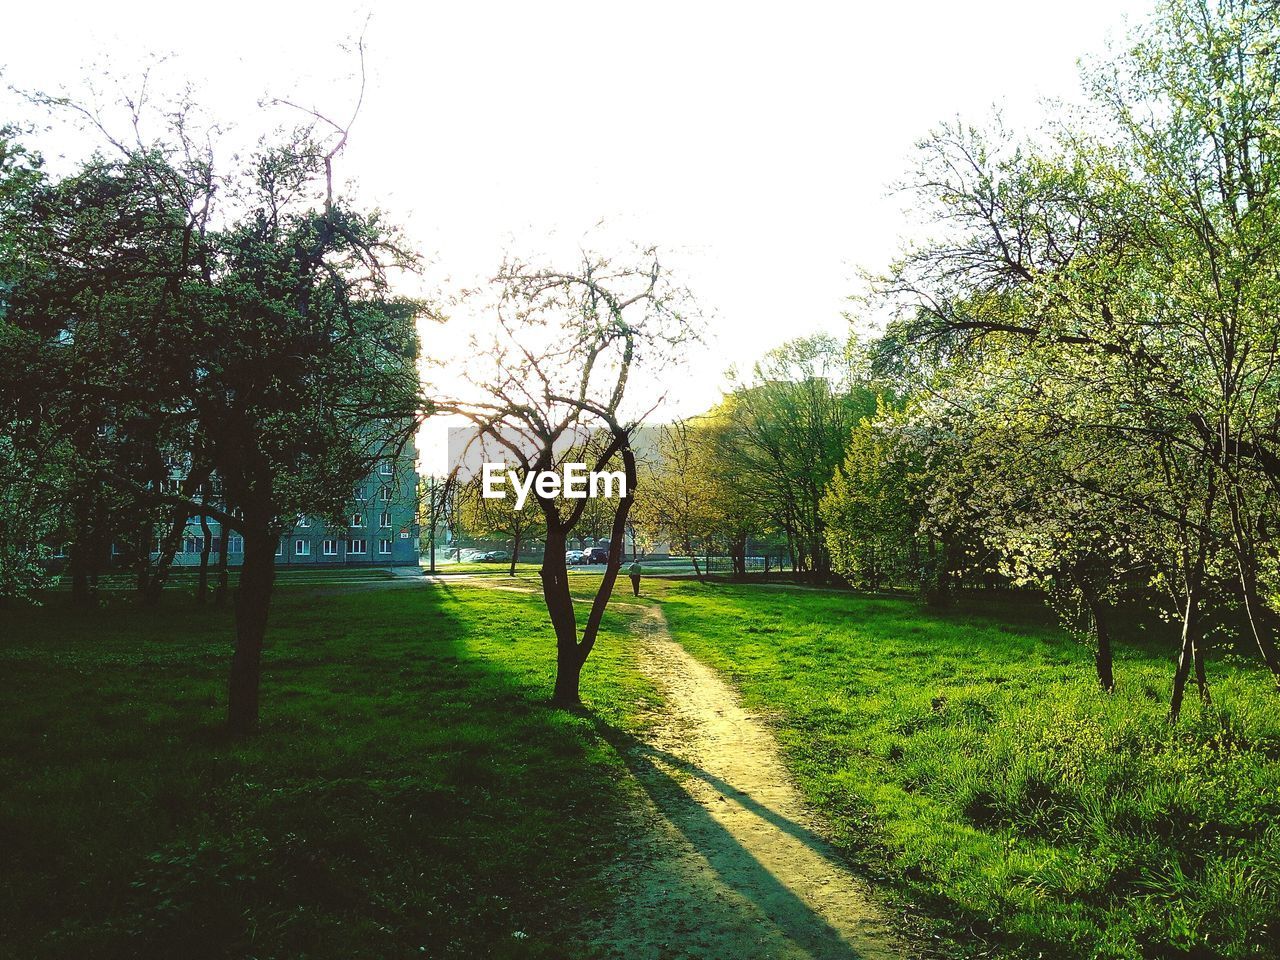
[{"x": 758, "y": 142}]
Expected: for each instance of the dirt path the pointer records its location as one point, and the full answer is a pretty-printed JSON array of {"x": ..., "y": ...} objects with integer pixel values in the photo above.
[{"x": 726, "y": 865}]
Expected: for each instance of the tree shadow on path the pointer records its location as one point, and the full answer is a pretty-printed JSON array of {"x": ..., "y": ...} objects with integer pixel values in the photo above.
[{"x": 703, "y": 890}]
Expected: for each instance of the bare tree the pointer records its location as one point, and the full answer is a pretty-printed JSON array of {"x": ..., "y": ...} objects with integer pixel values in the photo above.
[{"x": 556, "y": 380}]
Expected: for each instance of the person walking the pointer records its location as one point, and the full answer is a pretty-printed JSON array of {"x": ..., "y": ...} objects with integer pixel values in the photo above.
[{"x": 634, "y": 572}]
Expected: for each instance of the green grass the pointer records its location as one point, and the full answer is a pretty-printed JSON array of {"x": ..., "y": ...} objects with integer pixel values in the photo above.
[
  {"x": 523, "y": 568},
  {"x": 185, "y": 578},
  {"x": 410, "y": 793},
  {"x": 972, "y": 762}
]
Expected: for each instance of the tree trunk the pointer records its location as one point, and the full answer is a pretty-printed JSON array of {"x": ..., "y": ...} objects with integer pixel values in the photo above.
[
  {"x": 220, "y": 591},
  {"x": 1184, "y": 658},
  {"x": 1102, "y": 636},
  {"x": 164, "y": 562},
  {"x": 1202, "y": 682},
  {"x": 1102, "y": 656},
  {"x": 202, "y": 586},
  {"x": 568, "y": 676},
  {"x": 1193, "y": 575},
  {"x": 81, "y": 590},
  {"x": 515, "y": 553},
  {"x": 571, "y": 653},
  {"x": 253, "y": 604},
  {"x": 617, "y": 543},
  {"x": 936, "y": 584},
  {"x": 555, "y": 591},
  {"x": 1254, "y": 609},
  {"x": 738, "y": 555}
]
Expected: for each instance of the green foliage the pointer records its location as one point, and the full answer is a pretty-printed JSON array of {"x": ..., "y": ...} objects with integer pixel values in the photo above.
[
  {"x": 785, "y": 433},
  {"x": 32, "y": 461},
  {"x": 32, "y": 483},
  {"x": 873, "y": 508},
  {"x": 1092, "y": 331},
  {"x": 687, "y": 496}
]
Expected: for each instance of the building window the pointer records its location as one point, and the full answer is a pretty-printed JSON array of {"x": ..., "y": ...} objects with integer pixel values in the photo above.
[
  {"x": 304, "y": 521},
  {"x": 279, "y": 548},
  {"x": 357, "y": 519},
  {"x": 331, "y": 548},
  {"x": 385, "y": 494},
  {"x": 192, "y": 544},
  {"x": 235, "y": 544},
  {"x": 386, "y": 469},
  {"x": 386, "y": 520},
  {"x": 384, "y": 546},
  {"x": 359, "y": 492},
  {"x": 358, "y": 546},
  {"x": 302, "y": 548}
]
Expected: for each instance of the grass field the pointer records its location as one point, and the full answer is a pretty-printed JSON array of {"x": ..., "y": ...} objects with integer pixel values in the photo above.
[
  {"x": 523, "y": 568},
  {"x": 185, "y": 578},
  {"x": 972, "y": 762},
  {"x": 409, "y": 795},
  {"x": 665, "y": 566}
]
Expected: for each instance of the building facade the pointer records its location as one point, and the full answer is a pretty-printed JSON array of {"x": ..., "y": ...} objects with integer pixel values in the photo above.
[{"x": 381, "y": 528}]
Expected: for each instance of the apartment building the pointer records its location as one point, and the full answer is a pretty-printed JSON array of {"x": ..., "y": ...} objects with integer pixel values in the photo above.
[{"x": 381, "y": 527}]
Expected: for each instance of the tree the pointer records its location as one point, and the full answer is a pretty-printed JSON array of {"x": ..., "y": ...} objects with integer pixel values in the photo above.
[
  {"x": 239, "y": 324},
  {"x": 873, "y": 509},
  {"x": 485, "y": 517},
  {"x": 302, "y": 301},
  {"x": 1116, "y": 280},
  {"x": 783, "y": 436},
  {"x": 34, "y": 460},
  {"x": 678, "y": 502},
  {"x": 554, "y": 389}
]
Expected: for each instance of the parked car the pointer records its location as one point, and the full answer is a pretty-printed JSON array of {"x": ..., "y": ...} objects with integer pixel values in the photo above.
[
  {"x": 495, "y": 556},
  {"x": 573, "y": 557},
  {"x": 597, "y": 555}
]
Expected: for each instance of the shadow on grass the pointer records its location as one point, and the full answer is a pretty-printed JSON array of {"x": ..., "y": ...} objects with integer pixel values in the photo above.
[{"x": 406, "y": 787}]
